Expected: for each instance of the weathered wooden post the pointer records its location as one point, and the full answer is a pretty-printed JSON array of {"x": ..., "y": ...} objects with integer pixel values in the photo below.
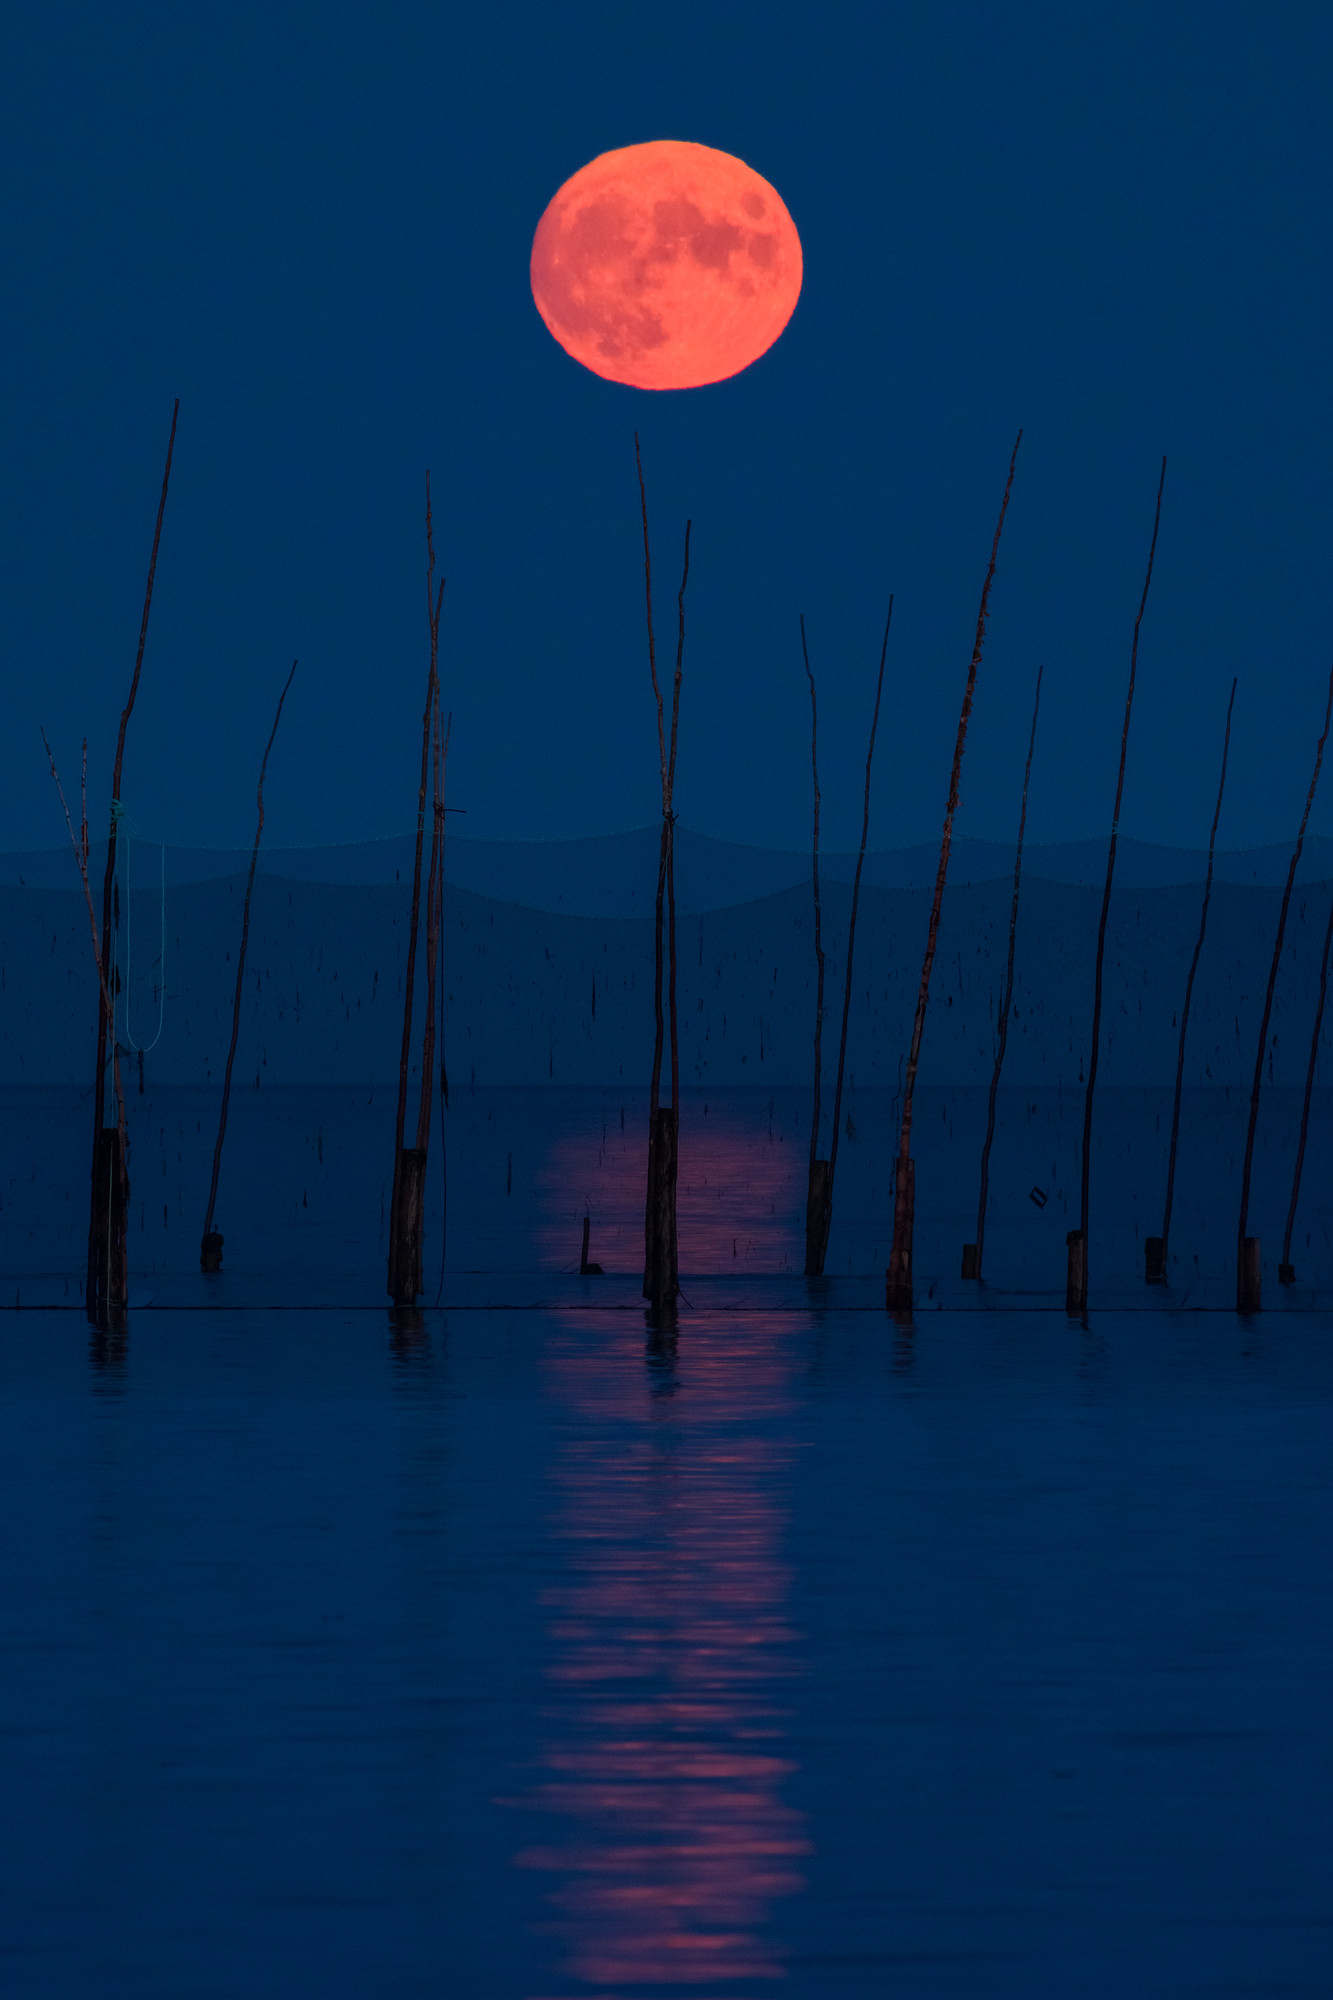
[
  {"x": 210, "y": 1247},
  {"x": 1155, "y": 1247},
  {"x": 819, "y": 1195},
  {"x": 972, "y": 1252},
  {"x": 107, "y": 1284},
  {"x": 660, "y": 1263},
  {"x": 1076, "y": 1279},
  {"x": 1248, "y": 1297},
  {"x": 898, "y": 1277}
]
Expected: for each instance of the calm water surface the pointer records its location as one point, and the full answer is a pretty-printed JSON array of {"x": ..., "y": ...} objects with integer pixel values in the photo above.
[{"x": 536, "y": 1655}]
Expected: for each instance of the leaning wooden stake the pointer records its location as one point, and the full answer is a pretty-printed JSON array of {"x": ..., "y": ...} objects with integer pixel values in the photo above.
[
  {"x": 1248, "y": 1290},
  {"x": 1076, "y": 1277},
  {"x": 406, "y": 1202},
  {"x": 1286, "y": 1270},
  {"x": 210, "y": 1247},
  {"x": 108, "y": 1269},
  {"x": 972, "y": 1252},
  {"x": 660, "y": 1262},
  {"x": 827, "y": 1217},
  {"x": 898, "y": 1278},
  {"x": 1155, "y": 1247},
  {"x": 816, "y": 1198},
  {"x": 112, "y": 1167}
]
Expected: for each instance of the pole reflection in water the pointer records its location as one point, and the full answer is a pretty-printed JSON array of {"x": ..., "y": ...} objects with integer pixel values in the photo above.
[{"x": 671, "y": 1657}]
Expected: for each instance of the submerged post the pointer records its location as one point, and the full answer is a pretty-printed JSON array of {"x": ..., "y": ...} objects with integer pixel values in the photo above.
[{"x": 898, "y": 1277}]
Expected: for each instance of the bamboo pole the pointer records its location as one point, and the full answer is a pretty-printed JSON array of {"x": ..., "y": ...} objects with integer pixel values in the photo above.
[
  {"x": 99, "y": 1286},
  {"x": 835, "y": 1134},
  {"x": 973, "y": 1252},
  {"x": 1155, "y": 1248},
  {"x": 816, "y": 1198},
  {"x": 1076, "y": 1284},
  {"x": 404, "y": 1201},
  {"x": 660, "y": 1259},
  {"x": 1248, "y": 1295},
  {"x": 210, "y": 1247},
  {"x": 898, "y": 1278},
  {"x": 1286, "y": 1269}
]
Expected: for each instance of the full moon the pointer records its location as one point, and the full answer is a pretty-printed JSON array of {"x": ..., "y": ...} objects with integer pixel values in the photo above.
[{"x": 666, "y": 266}]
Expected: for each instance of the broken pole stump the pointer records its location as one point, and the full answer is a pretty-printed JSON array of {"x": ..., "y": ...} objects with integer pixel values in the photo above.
[
  {"x": 1076, "y": 1273},
  {"x": 407, "y": 1226},
  {"x": 898, "y": 1279},
  {"x": 1249, "y": 1290},
  {"x": 816, "y": 1218}
]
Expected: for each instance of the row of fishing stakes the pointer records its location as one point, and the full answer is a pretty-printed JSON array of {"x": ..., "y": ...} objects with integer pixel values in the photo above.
[{"x": 107, "y": 1263}]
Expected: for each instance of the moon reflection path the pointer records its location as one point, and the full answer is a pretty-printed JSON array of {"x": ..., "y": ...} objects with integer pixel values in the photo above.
[{"x": 671, "y": 1661}]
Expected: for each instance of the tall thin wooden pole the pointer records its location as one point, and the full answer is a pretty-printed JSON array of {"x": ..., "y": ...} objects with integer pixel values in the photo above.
[
  {"x": 835, "y": 1134},
  {"x": 659, "y": 1023},
  {"x": 399, "y": 1281},
  {"x": 210, "y": 1247},
  {"x": 816, "y": 1199},
  {"x": 898, "y": 1278},
  {"x": 100, "y": 1283},
  {"x": 1247, "y": 1247},
  {"x": 1159, "y": 1255},
  {"x": 1076, "y": 1288},
  {"x": 972, "y": 1264},
  {"x": 1286, "y": 1270}
]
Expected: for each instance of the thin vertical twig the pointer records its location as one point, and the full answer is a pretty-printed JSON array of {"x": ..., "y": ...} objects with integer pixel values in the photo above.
[
  {"x": 902, "y": 1221},
  {"x": 851, "y": 944},
  {"x": 1309, "y": 1087},
  {"x": 819, "y": 945},
  {"x": 1189, "y": 989},
  {"x": 240, "y": 966},
  {"x": 1006, "y": 1001},
  {"x": 1106, "y": 892},
  {"x": 1242, "y": 1225},
  {"x": 105, "y": 1012},
  {"x": 671, "y": 845}
]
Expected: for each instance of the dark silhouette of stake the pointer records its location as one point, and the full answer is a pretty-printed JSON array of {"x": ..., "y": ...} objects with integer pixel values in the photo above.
[
  {"x": 1247, "y": 1247},
  {"x": 898, "y": 1278},
  {"x": 816, "y": 1198},
  {"x": 834, "y": 1136},
  {"x": 108, "y": 1271},
  {"x": 1286, "y": 1270},
  {"x": 1157, "y": 1254},
  {"x": 210, "y": 1247},
  {"x": 660, "y": 1272},
  {"x": 972, "y": 1264},
  {"x": 1076, "y": 1287},
  {"x": 409, "y": 1169}
]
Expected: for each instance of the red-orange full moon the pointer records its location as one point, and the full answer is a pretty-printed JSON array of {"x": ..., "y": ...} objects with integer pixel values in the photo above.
[{"x": 666, "y": 266}]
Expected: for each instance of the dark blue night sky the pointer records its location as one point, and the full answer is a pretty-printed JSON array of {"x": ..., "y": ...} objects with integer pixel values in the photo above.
[{"x": 313, "y": 224}]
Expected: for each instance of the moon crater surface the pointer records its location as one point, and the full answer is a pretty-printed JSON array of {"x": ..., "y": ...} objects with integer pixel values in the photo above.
[{"x": 666, "y": 266}]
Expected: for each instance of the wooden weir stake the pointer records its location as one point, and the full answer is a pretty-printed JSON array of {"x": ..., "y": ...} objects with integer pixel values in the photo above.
[
  {"x": 972, "y": 1252},
  {"x": 407, "y": 1201},
  {"x": 819, "y": 1197},
  {"x": 1155, "y": 1248},
  {"x": 898, "y": 1277},
  {"x": 210, "y": 1246},
  {"x": 107, "y": 1282},
  {"x": 1248, "y": 1267},
  {"x": 1076, "y": 1277},
  {"x": 660, "y": 1257}
]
